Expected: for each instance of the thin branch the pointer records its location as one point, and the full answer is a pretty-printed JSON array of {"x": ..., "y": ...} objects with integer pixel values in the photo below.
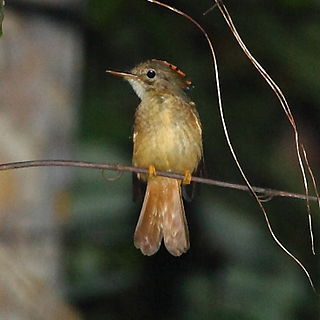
[
  {"x": 285, "y": 106},
  {"x": 266, "y": 192}
]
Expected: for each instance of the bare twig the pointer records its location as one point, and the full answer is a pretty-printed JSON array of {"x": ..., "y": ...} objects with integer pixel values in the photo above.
[
  {"x": 210, "y": 9},
  {"x": 266, "y": 192},
  {"x": 286, "y": 108}
]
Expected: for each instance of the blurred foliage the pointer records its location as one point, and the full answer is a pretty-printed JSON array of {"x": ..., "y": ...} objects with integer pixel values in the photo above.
[{"x": 234, "y": 270}]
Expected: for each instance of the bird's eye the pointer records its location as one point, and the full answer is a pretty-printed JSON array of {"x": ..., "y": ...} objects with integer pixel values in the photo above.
[{"x": 151, "y": 74}]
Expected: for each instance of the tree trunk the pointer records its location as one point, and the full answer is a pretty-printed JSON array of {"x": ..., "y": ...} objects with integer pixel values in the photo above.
[{"x": 40, "y": 62}]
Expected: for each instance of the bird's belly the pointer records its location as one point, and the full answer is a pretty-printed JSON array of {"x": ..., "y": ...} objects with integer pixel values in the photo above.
[{"x": 168, "y": 145}]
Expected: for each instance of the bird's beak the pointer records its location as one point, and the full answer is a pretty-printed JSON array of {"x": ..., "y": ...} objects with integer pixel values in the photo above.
[{"x": 125, "y": 75}]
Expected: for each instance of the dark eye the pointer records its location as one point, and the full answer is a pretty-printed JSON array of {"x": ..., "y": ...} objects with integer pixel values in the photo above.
[{"x": 151, "y": 74}]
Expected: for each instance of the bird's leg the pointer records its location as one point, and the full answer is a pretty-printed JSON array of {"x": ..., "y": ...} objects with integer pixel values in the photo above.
[
  {"x": 187, "y": 177},
  {"x": 152, "y": 171}
]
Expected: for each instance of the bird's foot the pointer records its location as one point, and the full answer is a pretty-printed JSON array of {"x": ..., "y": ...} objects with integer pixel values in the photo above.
[
  {"x": 187, "y": 177},
  {"x": 152, "y": 171}
]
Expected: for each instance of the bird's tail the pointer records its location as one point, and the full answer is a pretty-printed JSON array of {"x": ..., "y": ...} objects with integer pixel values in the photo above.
[{"x": 162, "y": 216}]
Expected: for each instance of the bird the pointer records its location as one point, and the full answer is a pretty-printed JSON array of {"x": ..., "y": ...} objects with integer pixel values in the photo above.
[{"x": 167, "y": 136}]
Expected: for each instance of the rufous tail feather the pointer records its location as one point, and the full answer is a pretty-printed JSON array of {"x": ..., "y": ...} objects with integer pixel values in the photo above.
[{"x": 162, "y": 216}]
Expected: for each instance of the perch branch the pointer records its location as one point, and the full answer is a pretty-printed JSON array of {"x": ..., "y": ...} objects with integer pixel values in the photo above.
[{"x": 266, "y": 192}]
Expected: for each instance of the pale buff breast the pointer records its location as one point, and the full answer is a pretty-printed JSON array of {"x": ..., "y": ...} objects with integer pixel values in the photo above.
[{"x": 167, "y": 135}]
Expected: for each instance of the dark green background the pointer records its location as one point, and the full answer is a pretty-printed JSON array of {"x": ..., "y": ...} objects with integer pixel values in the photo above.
[{"x": 233, "y": 270}]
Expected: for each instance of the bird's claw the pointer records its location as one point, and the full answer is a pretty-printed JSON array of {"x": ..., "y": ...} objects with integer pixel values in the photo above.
[
  {"x": 187, "y": 177},
  {"x": 152, "y": 171}
]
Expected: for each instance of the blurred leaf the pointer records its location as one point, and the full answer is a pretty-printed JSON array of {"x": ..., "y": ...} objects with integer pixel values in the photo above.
[
  {"x": 99, "y": 12},
  {"x": 298, "y": 3}
]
